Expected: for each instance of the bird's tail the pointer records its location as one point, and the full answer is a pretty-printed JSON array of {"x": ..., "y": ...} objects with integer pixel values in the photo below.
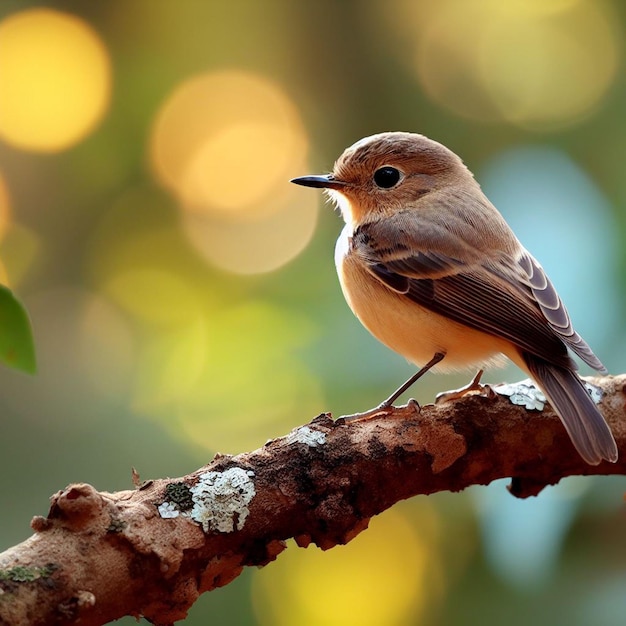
[{"x": 568, "y": 396}]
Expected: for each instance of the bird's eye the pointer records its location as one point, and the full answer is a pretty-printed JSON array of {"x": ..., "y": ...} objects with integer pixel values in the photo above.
[{"x": 386, "y": 177}]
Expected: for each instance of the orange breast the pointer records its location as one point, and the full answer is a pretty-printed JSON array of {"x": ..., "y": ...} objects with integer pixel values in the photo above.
[{"x": 408, "y": 328}]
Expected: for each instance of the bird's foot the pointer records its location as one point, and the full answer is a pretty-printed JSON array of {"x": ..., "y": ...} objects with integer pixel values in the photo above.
[
  {"x": 382, "y": 409},
  {"x": 474, "y": 385}
]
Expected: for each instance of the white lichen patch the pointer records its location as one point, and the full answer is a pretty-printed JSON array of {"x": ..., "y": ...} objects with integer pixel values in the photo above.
[
  {"x": 169, "y": 510},
  {"x": 221, "y": 499},
  {"x": 307, "y": 436},
  {"x": 523, "y": 393}
]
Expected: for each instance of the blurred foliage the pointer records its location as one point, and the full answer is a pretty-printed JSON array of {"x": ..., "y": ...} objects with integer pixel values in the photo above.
[
  {"x": 16, "y": 340},
  {"x": 183, "y": 294}
]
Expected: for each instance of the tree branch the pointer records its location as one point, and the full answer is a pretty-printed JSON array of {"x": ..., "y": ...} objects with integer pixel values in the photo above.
[{"x": 153, "y": 550}]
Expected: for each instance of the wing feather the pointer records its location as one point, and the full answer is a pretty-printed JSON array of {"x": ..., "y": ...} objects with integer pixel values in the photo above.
[
  {"x": 503, "y": 296},
  {"x": 554, "y": 310}
]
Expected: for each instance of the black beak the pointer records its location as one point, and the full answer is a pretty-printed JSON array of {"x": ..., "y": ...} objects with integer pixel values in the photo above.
[{"x": 321, "y": 182}]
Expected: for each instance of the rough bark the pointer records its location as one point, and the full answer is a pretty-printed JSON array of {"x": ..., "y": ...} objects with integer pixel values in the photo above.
[{"x": 98, "y": 556}]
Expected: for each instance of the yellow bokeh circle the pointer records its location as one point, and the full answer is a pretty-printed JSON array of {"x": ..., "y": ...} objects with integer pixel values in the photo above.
[
  {"x": 190, "y": 378},
  {"x": 55, "y": 81},
  {"x": 554, "y": 68},
  {"x": 535, "y": 63},
  {"x": 239, "y": 167},
  {"x": 261, "y": 245},
  {"x": 224, "y": 142},
  {"x": 390, "y": 574}
]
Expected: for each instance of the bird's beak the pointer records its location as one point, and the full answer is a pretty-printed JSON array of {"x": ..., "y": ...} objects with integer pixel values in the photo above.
[{"x": 321, "y": 182}]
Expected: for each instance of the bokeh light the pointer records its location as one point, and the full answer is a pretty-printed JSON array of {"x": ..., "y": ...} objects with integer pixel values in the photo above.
[
  {"x": 538, "y": 64},
  {"x": 262, "y": 245},
  {"x": 55, "y": 80},
  {"x": 232, "y": 382},
  {"x": 556, "y": 210},
  {"x": 541, "y": 527},
  {"x": 225, "y": 141},
  {"x": 239, "y": 167},
  {"x": 370, "y": 581},
  {"x": 171, "y": 365},
  {"x": 140, "y": 260},
  {"x": 217, "y": 368}
]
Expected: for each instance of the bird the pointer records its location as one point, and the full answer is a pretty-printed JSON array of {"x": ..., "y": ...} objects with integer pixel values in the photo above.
[{"x": 431, "y": 268}]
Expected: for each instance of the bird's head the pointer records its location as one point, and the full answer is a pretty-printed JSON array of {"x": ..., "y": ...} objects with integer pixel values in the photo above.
[{"x": 388, "y": 172}]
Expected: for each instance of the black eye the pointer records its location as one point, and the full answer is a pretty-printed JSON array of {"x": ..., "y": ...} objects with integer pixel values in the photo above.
[{"x": 386, "y": 177}]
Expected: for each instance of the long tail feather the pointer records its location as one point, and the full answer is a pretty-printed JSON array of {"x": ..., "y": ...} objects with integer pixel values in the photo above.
[{"x": 568, "y": 396}]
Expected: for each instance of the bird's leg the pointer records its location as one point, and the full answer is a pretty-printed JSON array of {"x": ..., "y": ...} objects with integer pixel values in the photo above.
[
  {"x": 473, "y": 385},
  {"x": 387, "y": 405},
  {"x": 409, "y": 383}
]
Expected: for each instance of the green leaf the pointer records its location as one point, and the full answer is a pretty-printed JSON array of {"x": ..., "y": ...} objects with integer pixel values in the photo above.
[{"x": 16, "y": 338}]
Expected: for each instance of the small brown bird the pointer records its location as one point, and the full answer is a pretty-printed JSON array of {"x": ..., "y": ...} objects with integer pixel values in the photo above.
[{"x": 432, "y": 270}]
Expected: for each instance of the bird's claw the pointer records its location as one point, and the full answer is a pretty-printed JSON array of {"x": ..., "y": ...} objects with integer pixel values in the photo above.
[
  {"x": 381, "y": 409},
  {"x": 474, "y": 385},
  {"x": 415, "y": 405}
]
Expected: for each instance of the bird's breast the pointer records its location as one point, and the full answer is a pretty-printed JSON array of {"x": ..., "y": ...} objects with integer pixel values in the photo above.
[{"x": 406, "y": 327}]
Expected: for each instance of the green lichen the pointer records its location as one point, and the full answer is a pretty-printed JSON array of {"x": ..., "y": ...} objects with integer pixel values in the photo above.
[
  {"x": 180, "y": 495},
  {"x": 20, "y": 574},
  {"x": 23, "y": 574}
]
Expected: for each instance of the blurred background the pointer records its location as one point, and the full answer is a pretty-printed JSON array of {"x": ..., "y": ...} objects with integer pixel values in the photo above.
[{"x": 183, "y": 293}]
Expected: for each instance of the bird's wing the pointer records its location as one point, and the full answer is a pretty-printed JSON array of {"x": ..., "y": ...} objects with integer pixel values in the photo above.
[
  {"x": 554, "y": 310},
  {"x": 500, "y": 296}
]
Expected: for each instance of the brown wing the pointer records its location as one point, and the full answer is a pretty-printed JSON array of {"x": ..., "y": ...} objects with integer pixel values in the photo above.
[
  {"x": 554, "y": 310},
  {"x": 503, "y": 296},
  {"x": 482, "y": 300}
]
